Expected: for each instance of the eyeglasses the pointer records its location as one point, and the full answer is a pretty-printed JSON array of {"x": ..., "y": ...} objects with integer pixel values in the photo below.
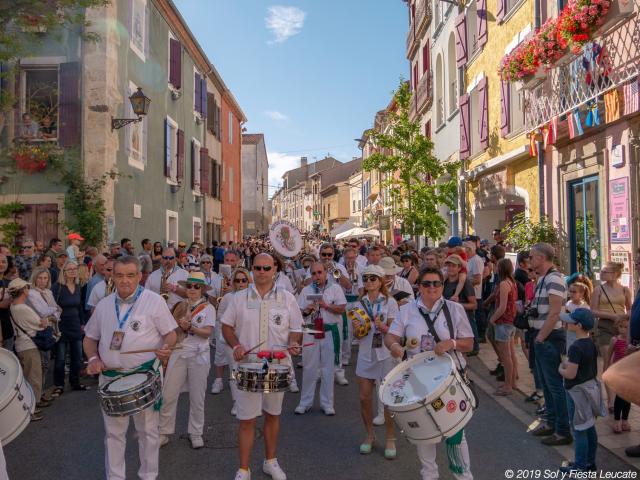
[
  {"x": 326, "y": 254},
  {"x": 317, "y": 272},
  {"x": 240, "y": 280},
  {"x": 108, "y": 269},
  {"x": 191, "y": 286},
  {"x": 168, "y": 258},
  {"x": 370, "y": 278},
  {"x": 431, "y": 283},
  {"x": 206, "y": 261},
  {"x": 259, "y": 268},
  {"x": 71, "y": 270}
]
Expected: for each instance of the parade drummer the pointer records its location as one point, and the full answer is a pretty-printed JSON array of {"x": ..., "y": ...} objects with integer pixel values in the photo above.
[
  {"x": 131, "y": 318},
  {"x": 322, "y": 357},
  {"x": 261, "y": 313},
  {"x": 191, "y": 363},
  {"x": 424, "y": 324},
  {"x": 374, "y": 360},
  {"x": 164, "y": 281}
]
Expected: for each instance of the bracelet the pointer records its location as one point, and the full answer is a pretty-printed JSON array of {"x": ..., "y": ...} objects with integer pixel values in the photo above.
[
  {"x": 237, "y": 346},
  {"x": 455, "y": 344},
  {"x": 92, "y": 358}
]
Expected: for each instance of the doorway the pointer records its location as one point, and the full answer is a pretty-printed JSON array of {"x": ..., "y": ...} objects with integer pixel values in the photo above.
[{"x": 584, "y": 226}]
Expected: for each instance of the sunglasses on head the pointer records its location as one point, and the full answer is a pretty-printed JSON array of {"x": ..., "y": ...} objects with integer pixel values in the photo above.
[
  {"x": 369, "y": 278},
  {"x": 259, "y": 268},
  {"x": 431, "y": 283},
  {"x": 168, "y": 258},
  {"x": 240, "y": 280},
  {"x": 191, "y": 286}
]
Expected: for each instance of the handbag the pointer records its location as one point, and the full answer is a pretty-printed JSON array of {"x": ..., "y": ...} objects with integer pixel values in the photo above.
[{"x": 43, "y": 339}]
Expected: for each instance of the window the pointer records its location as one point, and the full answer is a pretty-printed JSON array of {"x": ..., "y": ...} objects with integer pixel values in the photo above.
[
  {"x": 175, "y": 63},
  {"x": 172, "y": 226},
  {"x": 39, "y": 99},
  {"x": 230, "y": 128},
  {"x": 138, "y": 28},
  {"x": 197, "y": 229},
  {"x": 452, "y": 74},
  {"x": 171, "y": 154},
  {"x": 359, "y": 205},
  {"x": 472, "y": 28},
  {"x": 439, "y": 92},
  {"x": 135, "y": 135},
  {"x": 195, "y": 166},
  {"x": 516, "y": 108}
]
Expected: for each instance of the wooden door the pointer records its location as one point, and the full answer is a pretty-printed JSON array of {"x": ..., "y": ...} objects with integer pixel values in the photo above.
[{"x": 39, "y": 222}]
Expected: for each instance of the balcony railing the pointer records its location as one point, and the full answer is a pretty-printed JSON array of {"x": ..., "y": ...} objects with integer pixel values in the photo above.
[
  {"x": 425, "y": 91},
  {"x": 411, "y": 36},
  {"x": 578, "y": 82}
]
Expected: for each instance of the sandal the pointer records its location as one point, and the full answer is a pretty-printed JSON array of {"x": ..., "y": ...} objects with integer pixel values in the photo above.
[
  {"x": 390, "y": 453},
  {"x": 503, "y": 393},
  {"x": 625, "y": 426},
  {"x": 57, "y": 392},
  {"x": 617, "y": 428},
  {"x": 365, "y": 448}
]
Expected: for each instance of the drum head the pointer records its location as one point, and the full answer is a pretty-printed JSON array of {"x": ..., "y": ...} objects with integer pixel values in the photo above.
[
  {"x": 415, "y": 380},
  {"x": 285, "y": 238},
  {"x": 250, "y": 367},
  {"x": 10, "y": 371},
  {"x": 127, "y": 382}
]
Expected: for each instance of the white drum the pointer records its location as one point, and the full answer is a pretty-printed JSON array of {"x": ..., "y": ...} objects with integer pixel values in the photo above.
[
  {"x": 17, "y": 402},
  {"x": 427, "y": 398}
]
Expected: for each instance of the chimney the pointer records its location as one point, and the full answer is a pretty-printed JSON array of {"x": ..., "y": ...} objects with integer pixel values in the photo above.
[{"x": 303, "y": 161}]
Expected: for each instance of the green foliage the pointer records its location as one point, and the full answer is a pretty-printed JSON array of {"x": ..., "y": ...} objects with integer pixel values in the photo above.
[
  {"x": 414, "y": 177},
  {"x": 587, "y": 231},
  {"x": 523, "y": 233},
  {"x": 10, "y": 228}
]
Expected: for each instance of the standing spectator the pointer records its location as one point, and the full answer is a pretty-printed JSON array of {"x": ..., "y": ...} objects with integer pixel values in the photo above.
[
  {"x": 549, "y": 344},
  {"x": 502, "y": 321},
  {"x": 409, "y": 269},
  {"x": 99, "y": 267},
  {"x": 67, "y": 294},
  {"x": 618, "y": 349},
  {"x": 218, "y": 256},
  {"x": 27, "y": 260},
  {"x": 61, "y": 259},
  {"x": 522, "y": 271},
  {"x": 475, "y": 266},
  {"x": 467, "y": 296},
  {"x": 147, "y": 247},
  {"x": 156, "y": 258},
  {"x": 55, "y": 247},
  {"x": 6, "y": 328},
  {"x": 579, "y": 297},
  {"x": 634, "y": 341},
  {"x": 115, "y": 250},
  {"x": 127, "y": 245},
  {"x": 496, "y": 254},
  {"x": 38, "y": 247},
  {"x": 27, "y": 324},
  {"x": 497, "y": 237},
  {"x": 73, "y": 250}
]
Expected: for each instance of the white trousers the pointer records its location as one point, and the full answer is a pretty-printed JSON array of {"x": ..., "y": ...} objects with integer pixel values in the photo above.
[
  {"x": 318, "y": 360},
  {"x": 345, "y": 348},
  {"x": 427, "y": 456},
  {"x": 179, "y": 371},
  {"x": 115, "y": 441},
  {"x": 3, "y": 466}
]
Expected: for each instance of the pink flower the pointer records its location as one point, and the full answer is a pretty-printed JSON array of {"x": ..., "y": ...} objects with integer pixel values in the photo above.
[{"x": 584, "y": 26}]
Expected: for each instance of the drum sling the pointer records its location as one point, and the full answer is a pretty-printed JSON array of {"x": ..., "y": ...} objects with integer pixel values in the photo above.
[{"x": 151, "y": 365}]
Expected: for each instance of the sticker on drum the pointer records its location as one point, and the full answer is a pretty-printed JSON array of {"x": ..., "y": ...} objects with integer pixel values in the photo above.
[
  {"x": 437, "y": 404},
  {"x": 451, "y": 406},
  {"x": 452, "y": 390},
  {"x": 398, "y": 384},
  {"x": 463, "y": 405}
]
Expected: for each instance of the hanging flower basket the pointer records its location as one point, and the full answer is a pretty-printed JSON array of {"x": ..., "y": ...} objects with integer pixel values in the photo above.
[{"x": 33, "y": 157}]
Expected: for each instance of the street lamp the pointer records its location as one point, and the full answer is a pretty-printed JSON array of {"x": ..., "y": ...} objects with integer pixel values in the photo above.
[{"x": 140, "y": 104}]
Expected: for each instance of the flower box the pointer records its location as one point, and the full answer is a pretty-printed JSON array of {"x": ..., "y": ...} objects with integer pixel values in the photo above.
[{"x": 618, "y": 11}]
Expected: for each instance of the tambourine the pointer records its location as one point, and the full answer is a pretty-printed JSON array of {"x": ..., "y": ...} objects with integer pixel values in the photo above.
[{"x": 361, "y": 322}]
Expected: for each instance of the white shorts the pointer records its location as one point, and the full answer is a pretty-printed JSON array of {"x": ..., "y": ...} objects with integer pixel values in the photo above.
[{"x": 250, "y": 405}]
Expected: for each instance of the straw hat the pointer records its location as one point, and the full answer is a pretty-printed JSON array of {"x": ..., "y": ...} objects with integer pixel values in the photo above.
[{"x": 197, "y": 278}]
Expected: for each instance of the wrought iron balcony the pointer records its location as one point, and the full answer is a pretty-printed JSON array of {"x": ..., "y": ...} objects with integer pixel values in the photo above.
[
  {"x": 575, "y": 81},
  {"x": 425, "y": 91}
]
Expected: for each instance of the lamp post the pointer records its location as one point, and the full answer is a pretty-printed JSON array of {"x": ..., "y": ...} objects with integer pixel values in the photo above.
[{"x": 140, "y": 104}]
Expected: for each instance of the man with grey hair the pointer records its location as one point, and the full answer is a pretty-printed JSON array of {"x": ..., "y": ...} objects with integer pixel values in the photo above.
[
  {"x": 164, "y": 281},
  {"x": 99, "y": 263},
  {"x": 549, "y": 343}
]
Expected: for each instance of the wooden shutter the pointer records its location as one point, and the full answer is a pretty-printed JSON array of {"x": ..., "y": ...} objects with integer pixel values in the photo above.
[
  {"x": 218, "y": 135},
  {"x": 461, "y": 40},
  {"x": 425, "y": 57},
  {"x": 69, "y": 105},
  {"x": 505, "y": 107},
  {"x": 501, "y": 10},
  {"x": 193, "y": 165},
  {"x": 197, "y": 95},
  {"x": 427, "y": 129},
  {"x": 180, "y": 156},
  {"x": 175, "y": 63},
  {"x": 211, "y": 101},
  {"x": 465, "y": 145},
  {"x": 203, "y": 97},
  {"x": 167, "y": 148},
  {"x": 481, "y": 11},
  {"x": 204, "y": 172},
  {"x": 214, "y": 180},
  {"x": 415, "y": 77},
  {"x": 484, "y": 113}
]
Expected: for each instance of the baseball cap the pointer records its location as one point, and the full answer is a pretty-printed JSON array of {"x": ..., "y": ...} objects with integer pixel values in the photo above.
[
  {"x": 182, "y": 244},
  {"x": 75, "y": 236},
  {"x": 580, "y": 316},
  {"x": 17, "y": 284},
  {"x": 62, "y": 254},
  {"x": 454, "y": 242},
  {"x": 455, "y": 259}
]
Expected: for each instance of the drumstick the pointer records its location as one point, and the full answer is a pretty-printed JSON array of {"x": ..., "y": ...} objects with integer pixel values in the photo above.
[
  {"x": 253, "y": 348},
  {"x": 288, "y": 346},
  {"x": 149, "y": 350}
]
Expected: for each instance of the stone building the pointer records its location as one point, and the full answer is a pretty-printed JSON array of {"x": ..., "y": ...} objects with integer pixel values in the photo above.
[{"x": 255, "y": 184}]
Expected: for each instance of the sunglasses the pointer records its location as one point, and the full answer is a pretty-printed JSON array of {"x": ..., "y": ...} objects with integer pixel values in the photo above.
[
  {"x": 327, "y": 255},
  {"x": 206, "y": 261},
  {"x": 369, "y": 278},
  {"x": 191, "y": 286},
  {"x": 168, "y": 258},
  {"x": 431, "y": 283},
  {"x": 108, "y": 269},
  {"x": 240, "y": 280},
  {"x": 259, "y": 268},
  {"x": 317, "y": 272}
]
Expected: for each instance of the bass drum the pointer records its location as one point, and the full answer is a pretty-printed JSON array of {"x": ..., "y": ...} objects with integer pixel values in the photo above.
[{"x": 17, "y": 402}]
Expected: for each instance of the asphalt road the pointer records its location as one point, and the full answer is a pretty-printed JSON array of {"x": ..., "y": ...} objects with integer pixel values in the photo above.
[{"x": 68, "y": 444}]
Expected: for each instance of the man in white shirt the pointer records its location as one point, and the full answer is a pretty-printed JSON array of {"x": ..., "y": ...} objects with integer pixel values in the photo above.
[
  {"x": 261, "y": 313},
  {"x": 99, "y": 291},
  {"x": 165, "y": 280},
  {"x": 475, "y": 267},
  {"x": 323, "y": 357},
  {"x": 131, "y": 318},
  {"x": 354, "y": 271},
  {"x": 395, "y": 283}
]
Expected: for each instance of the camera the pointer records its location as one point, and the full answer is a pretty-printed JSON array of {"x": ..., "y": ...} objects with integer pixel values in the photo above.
[{"x": 531, "y": 313}]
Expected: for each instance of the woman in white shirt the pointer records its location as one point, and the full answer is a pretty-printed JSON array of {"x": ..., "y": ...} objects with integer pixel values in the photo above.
[
  {"x": 191, "y": 363},
  {"x": 374, "y": 360},
  {"x": 282, "y": 280}
]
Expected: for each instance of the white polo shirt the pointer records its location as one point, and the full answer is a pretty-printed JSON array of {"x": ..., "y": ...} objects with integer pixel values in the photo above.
[
  {"x": 475, "y": 266},
  {"x": 98, "y": 292},
  {"x": 410, "y": 324},
  {"x": 149, "y": 321},
  {"x": 155, "y": 279},
  {"x": 331, "y": 294}
]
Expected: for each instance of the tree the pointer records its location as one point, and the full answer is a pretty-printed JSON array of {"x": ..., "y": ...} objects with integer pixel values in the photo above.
[{"x": 419, "y": 183}]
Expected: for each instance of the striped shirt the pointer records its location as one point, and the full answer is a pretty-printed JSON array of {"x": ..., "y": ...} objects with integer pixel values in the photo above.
[{"x": 552, "y": 283}]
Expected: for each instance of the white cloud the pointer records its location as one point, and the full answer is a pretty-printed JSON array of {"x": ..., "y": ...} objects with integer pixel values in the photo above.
[
  {"x": 278, "y": 164},
  {"x": 284, "y": 22},
  {"x": 276, "y": 115}
]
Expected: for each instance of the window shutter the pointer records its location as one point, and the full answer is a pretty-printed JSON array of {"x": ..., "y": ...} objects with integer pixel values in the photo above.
[
  {"x": 69, "y": 105},
  {"x": 505, "y": 104},
  {"x": 214, "y": 180},
  {"x": 204, "y": 171},
  {"x": 484, "y": 113},
  {"x": 427, "y": 129},
  {"x": 461, "y": 40},
  {"x": 167, "y": 148},
  {"x": 415, "y": 77},
  {"x": 193, "y": 165},
  {"x": 180, "y": 155},
  {"x": 197, "y": 93},
  {"x": 211, "y": 101},
  {"x": 203, "y": 97},
  {"x": 425, "y": 57},
  {"x": 502, "y": 10},
  {"x": 481, "y": 11},
  {"x": 465, "y": 147},
  {"x": 175, "y": 63},
  {"x": 219, "y": 167},
  {"x": 219, "y": 122}
]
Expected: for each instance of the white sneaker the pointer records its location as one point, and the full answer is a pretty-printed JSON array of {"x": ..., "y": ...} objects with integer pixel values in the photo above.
[
  {"x": 234, "y": 409},
  {"x": 164, "y": 439},
  {"x": 217, "y": 386},
  {"x": 379, "y": 420},
  {"x": 301, "y": 410},
  {"x": 345, "y": 363},
  {"x": 196, "y": 441},
  {"x": 243, "y": 474},
  {"x": 340, "y": 379},
  {"x": 271, "y": 468},
  {"x": 293, "y": 388},
  {"x": 329, "y": 412}
]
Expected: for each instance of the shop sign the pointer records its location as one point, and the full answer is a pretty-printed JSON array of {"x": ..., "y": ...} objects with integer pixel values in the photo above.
[
  {"x": 385, "y": 222},
  {"x": 619, "y": 210}
]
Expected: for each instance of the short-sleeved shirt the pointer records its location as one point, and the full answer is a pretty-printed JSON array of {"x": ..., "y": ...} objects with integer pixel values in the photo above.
[
  {"x": 98, "y": 292},
  {"x": 149, "y": 321},
  {"x": 584, "y": 353},
  {"x": 155, "y": 279},
  {"x": 552, "y": 283},
  {"x": 387, "y": 309},
  {"x": 204, "y": 318},
  {"x": 475, "y": 266},
  {"x": 466, "y": 292},
  {"x": 331, "y": 294},
  {"x": 410, "y": 324}
]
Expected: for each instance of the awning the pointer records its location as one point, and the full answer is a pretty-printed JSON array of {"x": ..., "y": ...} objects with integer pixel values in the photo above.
[
  {"x": 343, "y": 227},
  {"x": 351, "y": 233},
  {"x": 371, "y": 232}
]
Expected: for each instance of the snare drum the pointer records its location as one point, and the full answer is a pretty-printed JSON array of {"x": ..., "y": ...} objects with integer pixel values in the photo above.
[
  {"x": 17, "y": 402},
  {"x": 130, "y": 394},
  {"x": 427, "y": 398},
  {"x": 253, "y": 377}
]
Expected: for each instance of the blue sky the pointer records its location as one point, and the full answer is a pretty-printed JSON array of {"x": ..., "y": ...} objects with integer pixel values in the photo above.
[{"x": 308, "y": 74}]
